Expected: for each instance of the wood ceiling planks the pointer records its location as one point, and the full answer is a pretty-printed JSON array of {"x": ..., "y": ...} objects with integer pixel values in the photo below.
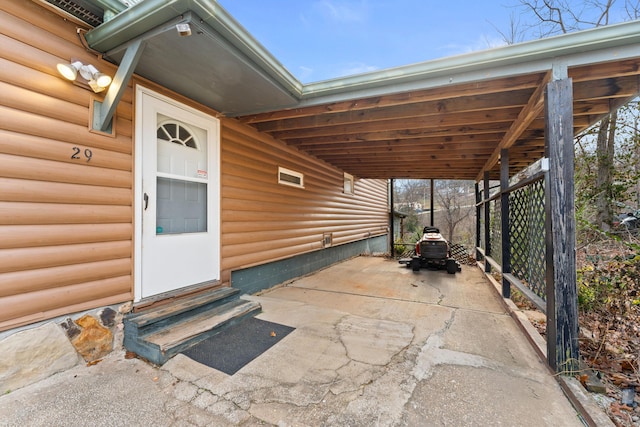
[{"x": 447, "y": 132}]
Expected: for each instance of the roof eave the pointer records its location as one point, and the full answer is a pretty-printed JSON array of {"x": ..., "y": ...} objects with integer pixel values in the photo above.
[
  {"x": 147, "y": 15},
  {"x": 580, "y": 48}
]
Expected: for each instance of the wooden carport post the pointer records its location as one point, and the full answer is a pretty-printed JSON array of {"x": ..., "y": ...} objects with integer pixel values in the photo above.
[
  {"x": 504, "y": 215},
  {"x": 560, "y": 224},
  {"x": 487, "y": 224},
  {"x": 478, "y": 216}
]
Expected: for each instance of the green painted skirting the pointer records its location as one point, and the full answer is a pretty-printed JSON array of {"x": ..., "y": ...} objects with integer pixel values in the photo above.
[{"x": 255, "y": 279}]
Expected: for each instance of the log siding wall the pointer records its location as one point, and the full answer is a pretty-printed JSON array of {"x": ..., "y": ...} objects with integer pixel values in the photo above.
[
  {"x": 266, "y": 221},
  {"x": 66, "y": 226}
]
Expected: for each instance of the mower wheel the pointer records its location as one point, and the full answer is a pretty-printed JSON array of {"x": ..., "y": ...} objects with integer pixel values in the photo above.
[{"x": 452, "y": 266}]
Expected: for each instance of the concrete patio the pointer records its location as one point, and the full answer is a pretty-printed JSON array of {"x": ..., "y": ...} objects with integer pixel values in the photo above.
[{"x": 375, "y": 345}]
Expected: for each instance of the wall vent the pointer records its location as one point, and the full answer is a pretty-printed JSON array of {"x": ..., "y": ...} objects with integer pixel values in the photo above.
[
  {"x": 289, "y": 177},
  {"x": 82, "y": 10},
  {"x": 327, "y": 240}
]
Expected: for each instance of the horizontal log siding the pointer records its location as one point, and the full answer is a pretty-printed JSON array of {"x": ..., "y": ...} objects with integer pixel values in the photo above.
[
  {"x": 264, "y": 221},
  {"x": 65, "y": 225}
]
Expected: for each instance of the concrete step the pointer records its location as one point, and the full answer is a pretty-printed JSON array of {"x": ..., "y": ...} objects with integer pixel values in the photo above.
[
  {"x": 203, "y": 325},
  {"x": 156, "y": 318},
  {"x": 160, "y": 333}
]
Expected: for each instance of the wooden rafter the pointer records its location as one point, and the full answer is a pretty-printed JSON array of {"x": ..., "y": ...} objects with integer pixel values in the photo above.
[
  {"x": 527, "y": 115},
  {"x": 450, "y": 131}
]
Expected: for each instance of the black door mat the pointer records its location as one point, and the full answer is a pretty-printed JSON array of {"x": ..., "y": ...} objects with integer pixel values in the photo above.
[{"x": 233, "y": 348}]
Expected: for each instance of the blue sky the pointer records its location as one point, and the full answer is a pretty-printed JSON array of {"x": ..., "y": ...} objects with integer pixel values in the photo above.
[
  {"x": 322, "y": 39},
  {"x": 318, "y": 40}
]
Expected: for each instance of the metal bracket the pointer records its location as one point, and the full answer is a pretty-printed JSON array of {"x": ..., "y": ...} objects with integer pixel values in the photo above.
[
  {"x": 559, "y": 69},
  {"x": 103, "y": 111}
]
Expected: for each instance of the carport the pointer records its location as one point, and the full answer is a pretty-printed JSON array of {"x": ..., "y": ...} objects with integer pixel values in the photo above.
[{"x": 508, "y": 113}]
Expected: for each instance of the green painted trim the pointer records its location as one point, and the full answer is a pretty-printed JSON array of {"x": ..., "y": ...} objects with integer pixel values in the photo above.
[
  {"x": 596, "y": 45},
  {"x": 255, "y": 279}
]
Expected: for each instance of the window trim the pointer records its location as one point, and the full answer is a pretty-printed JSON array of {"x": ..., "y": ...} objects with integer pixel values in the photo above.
[
  {"x": 284, "y": 171},
  {"x": 347, "y": 177}
]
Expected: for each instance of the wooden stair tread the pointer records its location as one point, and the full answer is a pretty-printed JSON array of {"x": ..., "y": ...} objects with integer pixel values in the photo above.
[
  {"x": 179, "y": 306},
  {"x": 181, "y": 332}
]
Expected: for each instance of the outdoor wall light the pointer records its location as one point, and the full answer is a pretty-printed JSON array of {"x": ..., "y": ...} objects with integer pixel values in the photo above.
[
  {"x": 97, "y": 81},
  {"x": 184, "y": 29}
]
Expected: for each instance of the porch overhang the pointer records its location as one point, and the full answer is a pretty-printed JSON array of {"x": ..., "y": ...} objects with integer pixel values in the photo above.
[{"x": 446, "y": 119}]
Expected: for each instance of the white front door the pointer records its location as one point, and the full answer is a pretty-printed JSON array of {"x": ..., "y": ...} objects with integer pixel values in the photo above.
[{"x": 177, "y": 177}]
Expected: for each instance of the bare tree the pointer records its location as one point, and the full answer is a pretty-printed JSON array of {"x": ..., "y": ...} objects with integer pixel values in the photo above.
[
  {"x": 553, "y": 17},
  {"x": 411, "y": 192},
  {"x": 512, "y": 34},
  {"x": 605, "y": 155},
  {"x": 455, "y": 203}
]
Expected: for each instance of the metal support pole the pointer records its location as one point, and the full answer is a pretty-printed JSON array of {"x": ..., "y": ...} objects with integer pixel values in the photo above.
[
  {"x": 431, "y": 201},
  {"x": 103, "y": 111},
  {"x": 504, "y": 214},
  {"x": 487, "y": 224},
  {"x": 562, "y": 295}
]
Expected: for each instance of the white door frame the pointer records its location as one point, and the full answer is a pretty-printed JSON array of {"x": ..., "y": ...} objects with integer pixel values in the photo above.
[{"x": 214, "y": 204}]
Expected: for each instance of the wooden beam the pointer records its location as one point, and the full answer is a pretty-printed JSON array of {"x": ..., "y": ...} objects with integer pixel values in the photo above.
[
  {"x": 447, "y": 131},
  {"x": 417, "y": 124},
  {"x": 368, "y": 157},
  {"x": 390, "y": 138},
  {"x": 444, "y": 164},
  {"x": 466, "y": 104},
  {"x": 526, "y": 116},
  {"x": 446, "y": 92},
  {"x": 628, "y": 67},
  {"x": 406, "y": 145},
  {"x": 618, "y": 87}
]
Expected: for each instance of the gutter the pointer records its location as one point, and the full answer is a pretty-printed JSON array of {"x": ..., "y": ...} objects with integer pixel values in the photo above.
[
  {"x": 111, "y": 8},
  {"x": 612, "y": 42},
  {"x": 579, "y": 48}
]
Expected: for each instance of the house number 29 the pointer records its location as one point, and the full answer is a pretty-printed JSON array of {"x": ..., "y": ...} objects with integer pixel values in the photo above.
[{"x": 77, "y": 153}]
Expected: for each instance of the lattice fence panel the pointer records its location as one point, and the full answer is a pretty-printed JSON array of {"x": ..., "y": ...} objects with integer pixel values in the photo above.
[
  {"x": 496, "y": 230},
  {"x": 482, "y": 243},
  {"x": 526, "y": 222}
]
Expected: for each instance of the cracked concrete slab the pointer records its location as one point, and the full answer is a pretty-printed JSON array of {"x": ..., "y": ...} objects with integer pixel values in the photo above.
[
  {"x": 495, "y": 336},
  {"x": 373, "y": 341},
  {"x": 457, "y": 395},
  {"x": 374, "y": 344}
]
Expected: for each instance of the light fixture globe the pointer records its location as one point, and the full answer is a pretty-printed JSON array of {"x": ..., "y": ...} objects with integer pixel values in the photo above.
[
  {"x": 102, "y": 79},
  {"x": 69, "y": 71},
  {"x": 89, "y": 74}
]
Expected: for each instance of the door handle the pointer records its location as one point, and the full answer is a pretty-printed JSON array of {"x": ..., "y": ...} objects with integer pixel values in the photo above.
[{"x": 146, "y": 201}]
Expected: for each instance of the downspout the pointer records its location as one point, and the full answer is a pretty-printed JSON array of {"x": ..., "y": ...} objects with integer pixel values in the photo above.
[
  {"x": 392, "y": 250},
  {"x": 110, "y": 8}
]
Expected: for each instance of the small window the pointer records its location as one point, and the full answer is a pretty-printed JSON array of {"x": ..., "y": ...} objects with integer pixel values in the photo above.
[
  {"x": 289, "y": 177},
  {"x": 348, "y": 184}
]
